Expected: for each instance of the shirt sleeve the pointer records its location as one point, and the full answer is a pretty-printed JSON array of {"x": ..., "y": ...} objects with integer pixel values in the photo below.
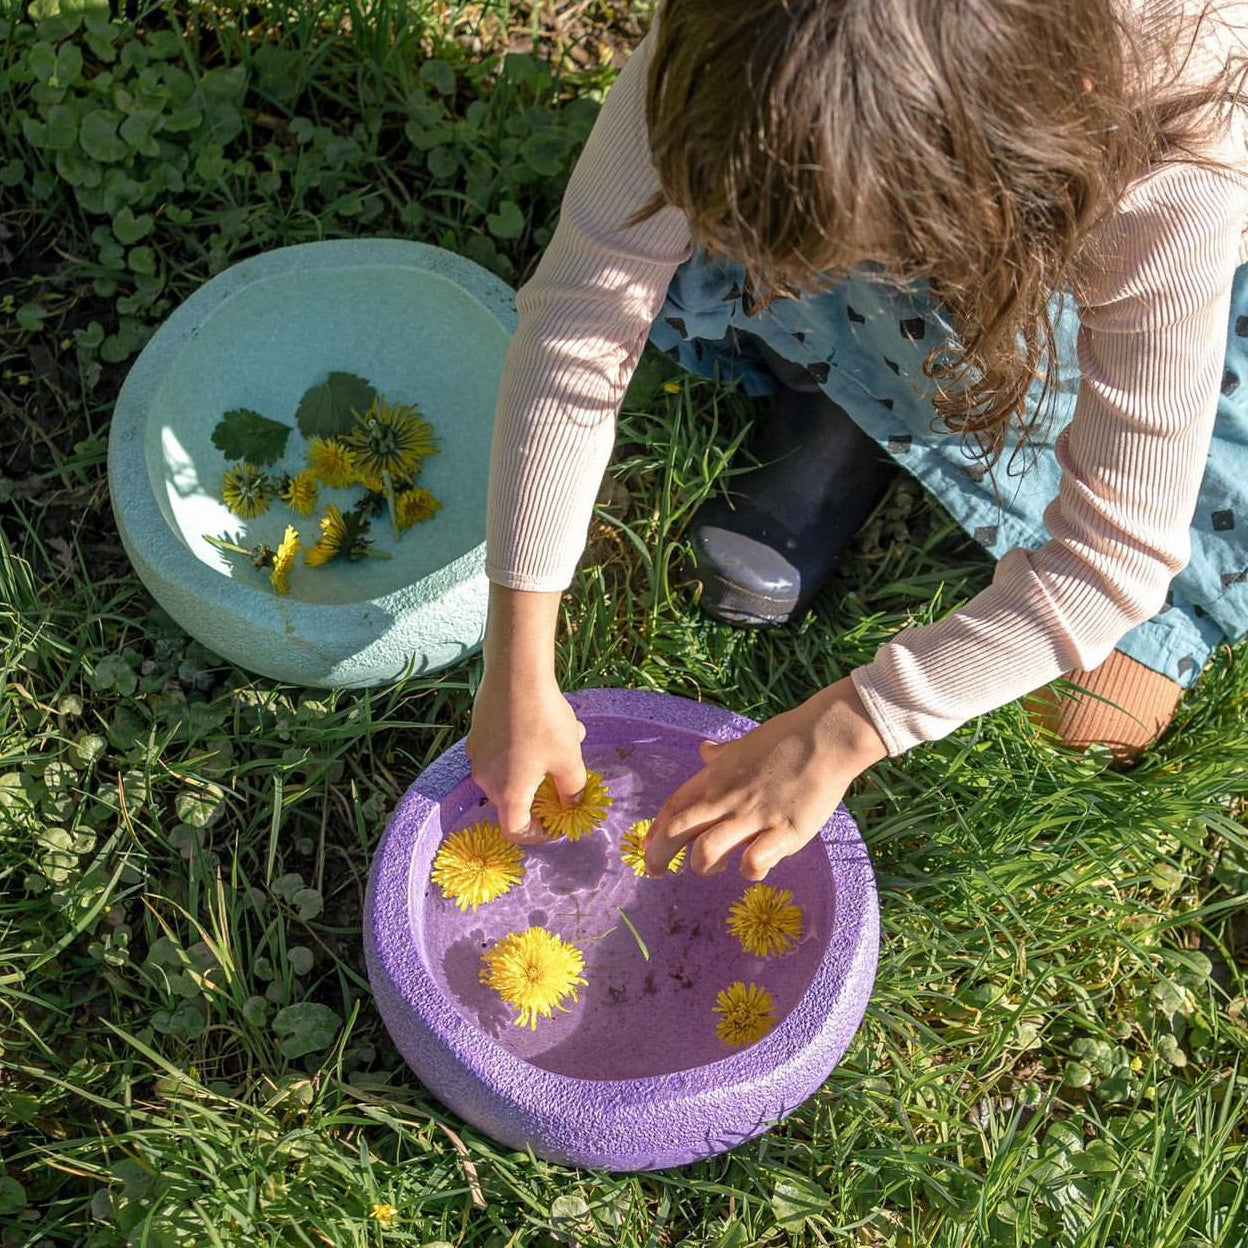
[
  {"x": 1151, "y": 355},
  {"x": 583, "y": 321}
]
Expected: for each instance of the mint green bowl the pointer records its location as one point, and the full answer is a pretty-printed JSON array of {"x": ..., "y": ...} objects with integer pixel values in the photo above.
[{"x": 421, "y": 324}]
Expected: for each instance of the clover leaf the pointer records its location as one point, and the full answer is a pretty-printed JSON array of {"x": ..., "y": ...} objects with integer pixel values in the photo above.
[
  {"x": 330, "y": 409},
  {"x": 306, "y": 1027},
  {"x": 244, "y": 434}
]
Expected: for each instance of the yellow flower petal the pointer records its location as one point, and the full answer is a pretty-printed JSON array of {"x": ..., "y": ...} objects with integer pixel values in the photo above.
[
  {"x": 633, "y": 849},
  {"x": 476, "y": 864},
  {"x": 766, "y": 920},
  {"x": 283, "y": 561},
  {"x": 412, "y": 506},
  {"x": 535, "y": 971},
  {"x": 329, "y": 544},
  {"x": 577, "y": 818},
  {"x": 330, "y": 463},
  {"x": 300, "y": 494},
  {"x": 246, "y": 490},
  {"x": 747, "y": 1012}
]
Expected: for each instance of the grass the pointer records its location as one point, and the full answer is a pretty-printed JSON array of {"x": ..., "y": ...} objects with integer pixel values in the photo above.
[{"x": 189, "y": 1054}]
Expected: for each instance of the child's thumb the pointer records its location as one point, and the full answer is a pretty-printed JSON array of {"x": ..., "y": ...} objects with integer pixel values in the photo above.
[
  {"x": 570, "y": 780},
  {"x": 515, "y": 822}
]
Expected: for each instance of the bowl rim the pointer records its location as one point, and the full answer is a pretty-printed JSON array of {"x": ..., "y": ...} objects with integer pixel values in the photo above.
[
  {"x": 397, "y": 968},
  {"x": 163, "y": 553}
]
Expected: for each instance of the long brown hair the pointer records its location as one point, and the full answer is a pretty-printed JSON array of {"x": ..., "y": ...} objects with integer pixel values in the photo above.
[{"x": 969, "y": 143}]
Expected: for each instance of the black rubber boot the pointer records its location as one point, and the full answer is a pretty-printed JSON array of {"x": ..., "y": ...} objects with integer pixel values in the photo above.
[{"x": 765, "y": 551}]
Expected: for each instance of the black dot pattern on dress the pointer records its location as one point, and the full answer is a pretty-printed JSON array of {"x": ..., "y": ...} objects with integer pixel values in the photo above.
[
  {"x": 888, "y": 403},
  {"x": 1234, "y": 578},
  {"x": 819, "y": 370},
  {"x": 1230, "y": 382},
  {"x": 673, "y": 353},
  {"x": 913, "y": 327},
  {"x": 900, "y": 445},
  {"x": 986, "y": 534},
  {"x": 1241, "y": 326},
  {"x": 799, "y": 335},
  {"x": 734, "y": 293},
  {"x": 892, "y": 364},
  {"x": 854, "y": 315},
  {"x": 1186, "y": 664},
  {"x": 678, "y": 325},
  {"x": 1223, "y": 521}
]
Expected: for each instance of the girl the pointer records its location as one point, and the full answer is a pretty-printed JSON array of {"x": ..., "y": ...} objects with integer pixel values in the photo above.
[{"x": 887, "y": 194}]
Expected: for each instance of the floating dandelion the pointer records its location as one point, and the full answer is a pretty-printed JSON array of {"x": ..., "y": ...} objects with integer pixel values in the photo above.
[
  {"x": 383, "y": 1215},
  {"x": 633, "y": 849},
  {"x": 299, "y": 492},
  {"x": 475, "y": 865},
  {"x": 582, "y": 815},
  {"x": 766, "y": 920},
  {"x": 534, "y": 971},
  {"x": 246, "y": 490},
  {"x": 330, "y": 463},
  {"x": 413, "y": 505},
  {"x": 284, "y": 560},
  {"x": 747, "y": 1014},
  {"x": 389, "y": 439}
]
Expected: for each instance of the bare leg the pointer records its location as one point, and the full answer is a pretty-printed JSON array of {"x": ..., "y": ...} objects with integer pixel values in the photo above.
[{"x": 1127, "y": 706}]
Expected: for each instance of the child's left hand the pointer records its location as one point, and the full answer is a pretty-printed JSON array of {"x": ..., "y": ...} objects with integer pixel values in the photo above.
[{"x": 771, "y": 790}]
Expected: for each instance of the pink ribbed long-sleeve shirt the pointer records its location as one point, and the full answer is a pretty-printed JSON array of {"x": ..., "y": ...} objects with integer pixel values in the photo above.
[{"x": 1154, "y": 319}]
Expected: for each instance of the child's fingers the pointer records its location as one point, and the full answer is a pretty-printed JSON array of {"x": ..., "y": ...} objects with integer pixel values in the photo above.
[
  {"x": 515, "y": 820},
  {"x": 570, "y": 779},
  {"x": 708, "y": 749},
  {"x": 708, "y": 855},
  {"x": 674, "y": 827},
  {"x": 768, "y": 848}
]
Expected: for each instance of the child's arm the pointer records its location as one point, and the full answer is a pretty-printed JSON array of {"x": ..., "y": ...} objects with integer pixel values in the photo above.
[
  {"x": 1151, "y": 353},
  {"x": 584, "y": 318},
  {"x": 771, "y": 790},
  {"x": 523, "y": 728}
]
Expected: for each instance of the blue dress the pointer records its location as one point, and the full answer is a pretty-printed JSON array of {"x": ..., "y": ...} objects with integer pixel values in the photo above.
[{"x": 865, "y": 342}]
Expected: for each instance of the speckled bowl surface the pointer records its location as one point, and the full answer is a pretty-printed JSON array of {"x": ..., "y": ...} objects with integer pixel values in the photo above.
[
  {"x": 423, "y": 326},
  {"x": 633, "y": 1075}
]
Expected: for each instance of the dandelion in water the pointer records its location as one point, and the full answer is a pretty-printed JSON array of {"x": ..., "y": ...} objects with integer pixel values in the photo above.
[
  {"x": 577, "y": 817},
  {"x": 534, "y": 971},
  {"x": 477, "y": 864},
  {"x": 747, "y": 1013}
]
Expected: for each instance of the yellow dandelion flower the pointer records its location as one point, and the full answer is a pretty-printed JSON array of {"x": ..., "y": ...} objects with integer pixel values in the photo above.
[
  {"x": 383, "y": 1215},
  {"x": 534, "y": 971},
  {"x": 414, "y": 505},
  {"x": 766, "y": 920},
  {"x": 284, "y": 560},
  {"x": 476, "y": 864},
  {"x": 747, "y": 1012},
  {"x": 246, "y": 490},
  {"x": 583, "y": 815},
  {"x": 300, "y": 492},
  {"x": 633, "y": 849},
  {"x": 330, "y": 463},
  {"x": 329, "y": 544},
  {"x": 390, "y": 438}
]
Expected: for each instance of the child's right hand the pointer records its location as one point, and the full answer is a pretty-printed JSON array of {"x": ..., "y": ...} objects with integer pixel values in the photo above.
[{"x": 523, "y": 728}]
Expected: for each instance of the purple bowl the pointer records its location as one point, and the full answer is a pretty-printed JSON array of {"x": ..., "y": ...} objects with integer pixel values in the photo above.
[{"x": 633, "y": 1075}]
